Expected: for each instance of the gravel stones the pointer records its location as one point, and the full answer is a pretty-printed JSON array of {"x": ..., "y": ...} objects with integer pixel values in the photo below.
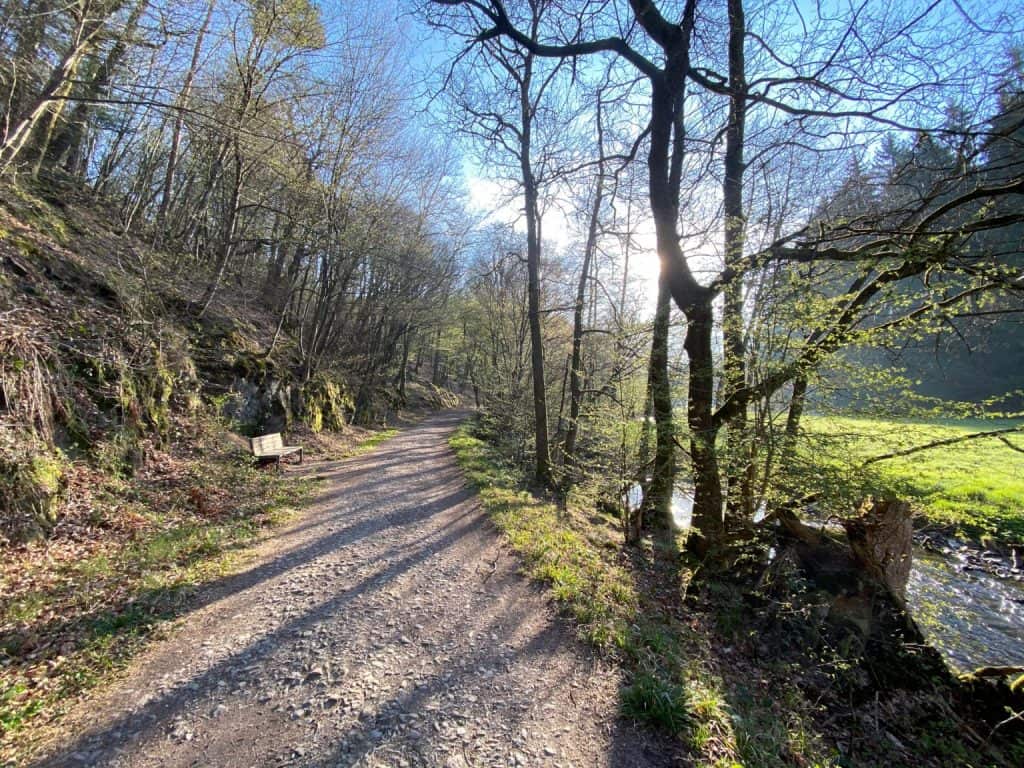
[{"x": 363, "y": 635}]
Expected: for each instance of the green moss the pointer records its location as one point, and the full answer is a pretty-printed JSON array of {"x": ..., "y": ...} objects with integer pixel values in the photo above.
[
  {"x": 156, "y": 389},
  {"x": 47, "y": 472},
  {"x": 127, "y": 396},
  {"x": 33, "y": 480},
  {"x": 193, "y": 402},
  {"x": 325, "y": 403},
  {"x": 25, "y": 246},
  {"x": 37, "y": 212},
  {"x": 118, "y": 452},
  {"x": 246, "y": 364},
  {"x": 1017, "y": 686}
]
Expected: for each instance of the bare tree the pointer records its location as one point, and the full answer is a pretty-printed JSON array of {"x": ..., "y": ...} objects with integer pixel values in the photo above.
[{"x": 828, "y": 92}]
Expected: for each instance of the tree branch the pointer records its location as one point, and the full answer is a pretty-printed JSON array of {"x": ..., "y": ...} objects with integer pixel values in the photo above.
[{"x": 947, "y": 441}]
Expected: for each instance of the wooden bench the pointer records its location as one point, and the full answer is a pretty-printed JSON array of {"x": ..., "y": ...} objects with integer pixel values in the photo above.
[{"x": 270, "y": 448}]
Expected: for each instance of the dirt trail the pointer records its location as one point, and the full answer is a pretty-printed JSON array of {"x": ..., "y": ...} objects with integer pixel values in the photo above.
[{"x": 386, "y": 627}]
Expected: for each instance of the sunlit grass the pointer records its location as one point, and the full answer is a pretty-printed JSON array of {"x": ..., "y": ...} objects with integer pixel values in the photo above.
[
  {"x": 106, "y": 603},
  {"x": 371, "y": 442},
  {"x": 974, "y": 487},
  {"x": 599, "y": 595},
  {"x": 673, "y": 683},
  {"x": 689, "y": 668}
]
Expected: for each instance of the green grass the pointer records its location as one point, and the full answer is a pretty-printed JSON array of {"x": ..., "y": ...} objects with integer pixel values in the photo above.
[
  {"x": 600, "y": 595},
  {"x": 652, "y": 699},
  {"x": 673, "y": 680},
  {"x": 371, "y": 442},
  {"x": 974, "y": 488},
  {"x": 99, "y": 609},
  {"x": 688, "y": 664}
]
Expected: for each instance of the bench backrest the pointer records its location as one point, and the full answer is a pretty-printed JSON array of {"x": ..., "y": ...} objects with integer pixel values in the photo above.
[{"x": 264, "y": 443}]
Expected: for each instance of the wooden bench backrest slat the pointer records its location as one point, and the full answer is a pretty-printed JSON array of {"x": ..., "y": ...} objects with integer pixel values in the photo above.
[{"x": 264, "y": 443}]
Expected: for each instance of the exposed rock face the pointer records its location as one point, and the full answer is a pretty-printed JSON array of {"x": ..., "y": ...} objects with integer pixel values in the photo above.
[
  {"x": 262, "y": 404},
  {"x": 262, "y": 407}
]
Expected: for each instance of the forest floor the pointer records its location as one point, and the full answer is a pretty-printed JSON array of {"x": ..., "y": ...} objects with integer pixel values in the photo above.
[{"x": 387, "y": 625}]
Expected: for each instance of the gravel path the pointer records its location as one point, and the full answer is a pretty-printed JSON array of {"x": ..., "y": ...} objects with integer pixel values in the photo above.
[{"x": 386, "y": 627}]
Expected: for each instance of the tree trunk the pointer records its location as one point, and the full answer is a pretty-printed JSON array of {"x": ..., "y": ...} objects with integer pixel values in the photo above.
[
  {"x": 179, "y": 119},
  {"x": 881, "y": 538},
  {"x": 227, "y": 247},
  {"x": 576, "y": 364},
  {"x": 66, "y": 149},
  {"x": 83, "y": 37},
  {"x": 435, "y": 374},
  {"x": 533, "y": 253},
  {"x": 707, "y": 526},
  {"x": 793, "y": 416},
  {"x": 740, "y": 461},
  {"x": 657, "y": 504},
  {"x": 404, "y": 365},
  {"x": 864, "y": 581},
  {"x": 29, "y": 19}
]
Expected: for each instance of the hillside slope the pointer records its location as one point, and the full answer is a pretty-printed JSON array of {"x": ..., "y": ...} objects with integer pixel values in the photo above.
[{"x": 125, "y": 479}]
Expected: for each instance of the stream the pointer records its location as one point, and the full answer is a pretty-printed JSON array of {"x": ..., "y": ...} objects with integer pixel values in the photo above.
[{"x": 974, "y": 616}]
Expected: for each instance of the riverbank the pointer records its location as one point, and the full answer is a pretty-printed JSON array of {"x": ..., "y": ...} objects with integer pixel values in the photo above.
[{"x": 741, "y": 673}]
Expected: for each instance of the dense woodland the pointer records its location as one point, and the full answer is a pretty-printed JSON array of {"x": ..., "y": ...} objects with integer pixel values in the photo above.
[{"x": 831, "y": 198}]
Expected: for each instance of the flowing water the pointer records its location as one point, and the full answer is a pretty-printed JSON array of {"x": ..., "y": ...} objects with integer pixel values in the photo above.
[
  {"x": 973, "y": 616},
  {"x": 682, "y": 509}
]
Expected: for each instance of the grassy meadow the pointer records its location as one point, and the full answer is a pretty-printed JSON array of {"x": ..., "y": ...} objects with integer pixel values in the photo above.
[{"x": 974, "y": 488}]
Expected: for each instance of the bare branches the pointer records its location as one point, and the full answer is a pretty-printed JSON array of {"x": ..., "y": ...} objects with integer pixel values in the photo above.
[{"x": 500, "y": 24}]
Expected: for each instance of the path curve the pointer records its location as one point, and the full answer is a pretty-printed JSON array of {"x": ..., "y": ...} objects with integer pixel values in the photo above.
[{"x": 372, "y": 632}]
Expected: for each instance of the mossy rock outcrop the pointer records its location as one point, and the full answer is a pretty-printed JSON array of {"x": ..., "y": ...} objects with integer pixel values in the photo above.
[
  {"x": 325, "y": 404},
  {"x": 33, "y": 483}
]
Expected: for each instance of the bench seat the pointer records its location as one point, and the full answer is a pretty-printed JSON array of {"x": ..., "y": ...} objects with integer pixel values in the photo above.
[{"x": 271, "y": 448}]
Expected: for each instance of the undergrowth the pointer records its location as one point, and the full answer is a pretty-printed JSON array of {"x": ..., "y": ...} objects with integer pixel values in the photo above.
[
  {"x": 76, "y": 607},
  {"x": 701, "y": 660},
  {"x": 626, "y": 609}
]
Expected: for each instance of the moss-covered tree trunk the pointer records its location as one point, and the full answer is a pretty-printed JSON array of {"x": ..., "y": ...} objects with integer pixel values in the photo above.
[
  {"x": 657, "y": 505},
  {"x": 739, "y": 468},
  {"x": 707, "y": 527}
]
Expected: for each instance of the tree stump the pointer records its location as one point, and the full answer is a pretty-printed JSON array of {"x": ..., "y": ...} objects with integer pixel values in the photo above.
[{"x": 881, "y": 539}]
